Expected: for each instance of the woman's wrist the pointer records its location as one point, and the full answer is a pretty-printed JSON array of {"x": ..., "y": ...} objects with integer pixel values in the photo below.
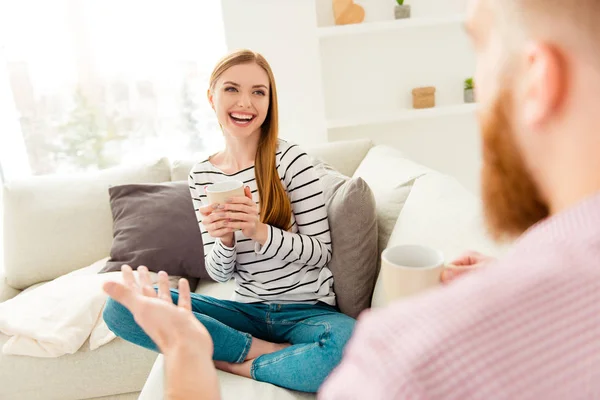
[
  {"x": 228, "y": 241},
  {"x": 262, "y": 233}
]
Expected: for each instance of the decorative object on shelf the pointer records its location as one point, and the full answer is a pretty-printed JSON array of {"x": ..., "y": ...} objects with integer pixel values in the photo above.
[
  {"x": 424, "y": 97},
  {"x": 402, "y": 10},
  {"x": 469, "y": 91},
  {"x": 347, "y": 12}
]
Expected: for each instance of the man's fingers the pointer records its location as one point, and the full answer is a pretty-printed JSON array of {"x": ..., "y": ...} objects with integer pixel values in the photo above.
[
  {"x": 185, "y": 298},
  {"x": 164, "y": 292},
  {"x": 121, "y": 293},
  {"x": 128, "y": 277},
  {"x": 144, "y": 275}
]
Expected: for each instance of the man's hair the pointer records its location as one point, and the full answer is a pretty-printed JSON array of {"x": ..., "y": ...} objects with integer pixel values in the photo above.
[{"x": 571, "y": 23}]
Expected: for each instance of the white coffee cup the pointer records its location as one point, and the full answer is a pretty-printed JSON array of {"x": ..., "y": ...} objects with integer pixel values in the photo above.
[
  {"x": 219, "y": 192},
  {"x": 410, "y": 269}
]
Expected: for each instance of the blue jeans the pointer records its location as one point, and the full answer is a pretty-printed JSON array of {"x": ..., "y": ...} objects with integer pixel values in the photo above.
[{"x": 318, "y": 334}]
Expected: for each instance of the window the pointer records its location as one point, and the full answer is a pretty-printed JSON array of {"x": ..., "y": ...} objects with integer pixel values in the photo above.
[{"x": 99, "y": 83}]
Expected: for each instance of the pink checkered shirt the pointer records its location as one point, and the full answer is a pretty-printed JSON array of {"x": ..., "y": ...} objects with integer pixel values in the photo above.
[{"x": 527, "y": 327}]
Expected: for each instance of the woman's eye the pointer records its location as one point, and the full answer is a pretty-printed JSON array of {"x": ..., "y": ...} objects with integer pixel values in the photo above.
[
  {"x": 230, "y": 89},
  {"x": 260, "y": 92}
]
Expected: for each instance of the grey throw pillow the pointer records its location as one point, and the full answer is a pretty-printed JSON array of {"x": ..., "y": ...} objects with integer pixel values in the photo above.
[
  {"x": 155, "y": 225},
  {"x": 353, "y": 223}
]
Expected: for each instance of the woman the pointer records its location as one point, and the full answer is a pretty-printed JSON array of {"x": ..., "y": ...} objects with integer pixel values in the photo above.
[{"x": 282, "y": 325}]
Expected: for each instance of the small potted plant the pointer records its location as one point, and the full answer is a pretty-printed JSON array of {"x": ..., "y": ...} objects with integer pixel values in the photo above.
[
  {"x": 424, "y": 97},
  {"x": 469, "y": 91},
  {"x": 402, "y": 10}
]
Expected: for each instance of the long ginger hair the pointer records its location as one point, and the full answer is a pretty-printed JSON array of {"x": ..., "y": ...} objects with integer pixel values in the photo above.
[{"x": 275, "y": 206}]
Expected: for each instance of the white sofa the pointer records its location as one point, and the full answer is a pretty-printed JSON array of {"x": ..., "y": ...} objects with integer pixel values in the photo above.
[{"x": 56, "y": 225}]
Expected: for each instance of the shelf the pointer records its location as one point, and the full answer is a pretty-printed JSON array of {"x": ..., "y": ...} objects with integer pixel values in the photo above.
[
  {"x": 393, "y": 25},
  {"x": 403, "y": 115}
]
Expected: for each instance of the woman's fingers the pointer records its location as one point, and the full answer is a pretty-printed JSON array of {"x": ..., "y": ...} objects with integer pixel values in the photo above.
[
  {"x": 242, "y": 208},
  {"x": 239, "y": 200},
  {"x": 226, "y": 230}
]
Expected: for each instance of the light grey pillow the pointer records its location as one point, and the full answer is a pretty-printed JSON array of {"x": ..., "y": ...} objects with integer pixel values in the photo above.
[{"x": 353, "y": 223}]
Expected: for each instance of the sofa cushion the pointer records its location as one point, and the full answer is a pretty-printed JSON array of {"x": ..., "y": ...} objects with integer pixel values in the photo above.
[
  {"x": 390, "y": 176},
  {"x": 57, "y": 223},
  {"x": 353, "y": 224},
  {"x": 343, "y": 156},
  {"x": 155, "y": 225},
  {"x": 6, "y": 291},
  {"x": 117, "y": 367},
  {"x": 232, "y": 387},
  {"x": 443, "y": 214}
]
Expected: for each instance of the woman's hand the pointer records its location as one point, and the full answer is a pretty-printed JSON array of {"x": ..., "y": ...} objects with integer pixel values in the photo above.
[
  {"x": 216, "y": 223},
  {"x": 242, "y": 213}
]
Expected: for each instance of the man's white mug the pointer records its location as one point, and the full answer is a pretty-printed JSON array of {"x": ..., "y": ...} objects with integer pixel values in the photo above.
[
  {"x": 410, "y": 269},
  {"x": 219, "y": 192}
]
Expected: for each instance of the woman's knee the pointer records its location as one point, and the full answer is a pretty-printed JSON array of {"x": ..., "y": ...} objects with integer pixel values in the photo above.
[
  {"x": 117, "y": 317},
  {"x": 341, "y": 329},
  {"x": 120, "y": 320}
]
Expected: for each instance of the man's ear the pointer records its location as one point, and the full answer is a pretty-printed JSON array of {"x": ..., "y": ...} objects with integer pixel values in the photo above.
[{"x": 544, "y": 84}]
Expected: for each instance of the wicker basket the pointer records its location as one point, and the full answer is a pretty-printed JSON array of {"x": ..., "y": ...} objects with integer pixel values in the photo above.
[{"x": 424, "y": 97}]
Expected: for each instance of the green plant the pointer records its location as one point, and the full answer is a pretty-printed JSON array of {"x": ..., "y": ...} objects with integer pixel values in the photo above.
[
  {"x": 469, "y": 84},
  {"x": 400, "y": 2}
]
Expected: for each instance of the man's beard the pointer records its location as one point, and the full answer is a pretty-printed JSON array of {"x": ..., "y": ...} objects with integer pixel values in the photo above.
[{"x": 512, "y": 201}]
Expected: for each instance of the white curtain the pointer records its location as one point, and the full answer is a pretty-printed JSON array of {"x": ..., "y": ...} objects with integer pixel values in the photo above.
[{"x": 100, "y": 83}]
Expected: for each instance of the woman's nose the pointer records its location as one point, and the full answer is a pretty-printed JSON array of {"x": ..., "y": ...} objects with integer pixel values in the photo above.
[{"x": 244, "y": 100}]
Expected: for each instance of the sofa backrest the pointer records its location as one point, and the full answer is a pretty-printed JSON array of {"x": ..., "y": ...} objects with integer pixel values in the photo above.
[
  {"x": 56, "y": 224},
  {"x": 344, "y": 156}
]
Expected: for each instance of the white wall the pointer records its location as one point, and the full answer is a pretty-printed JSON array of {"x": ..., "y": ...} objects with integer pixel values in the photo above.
[
  {"x": 13, "y": 155},
  {"x": 322, "y": 79},
  {"x": 284, "y": 31}
]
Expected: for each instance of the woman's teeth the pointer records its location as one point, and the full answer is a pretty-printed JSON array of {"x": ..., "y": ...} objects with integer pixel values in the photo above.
[{"x": 241, "y": 119}]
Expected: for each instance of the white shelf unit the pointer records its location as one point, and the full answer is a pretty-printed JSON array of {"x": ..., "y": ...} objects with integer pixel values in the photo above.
[
  {"x": 402, "y": 115},
  {"x": 368, "y": 72},
  {"x": 389, "y": 26}
]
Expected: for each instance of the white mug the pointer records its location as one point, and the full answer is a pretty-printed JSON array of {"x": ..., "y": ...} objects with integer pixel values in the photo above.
[
  {"x": 410, "y": 269},
  {"x": 219, "y": 192}
]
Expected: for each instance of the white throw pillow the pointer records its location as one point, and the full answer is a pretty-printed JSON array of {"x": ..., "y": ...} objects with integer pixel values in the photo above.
[
  {"x": 390, "y": 176},
  {"x": 443, "y": 214},
  {"x": 55, "y": 224}
]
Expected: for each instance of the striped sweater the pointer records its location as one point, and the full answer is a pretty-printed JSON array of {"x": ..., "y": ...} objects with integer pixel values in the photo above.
[{"x": 291, "y": 267}]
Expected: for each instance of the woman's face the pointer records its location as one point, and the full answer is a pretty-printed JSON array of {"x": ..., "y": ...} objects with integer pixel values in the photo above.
[{"x": 240, "y": 99}]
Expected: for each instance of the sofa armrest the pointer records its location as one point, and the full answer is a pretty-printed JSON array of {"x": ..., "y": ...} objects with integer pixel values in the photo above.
[{"x": 7, "y": 292}]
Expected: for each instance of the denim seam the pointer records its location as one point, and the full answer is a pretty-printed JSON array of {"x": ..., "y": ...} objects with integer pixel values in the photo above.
[
  {"x": 306, "y": 346},
  {"x": 246, "y": 350},
  {"x": 230, "y": 309}
]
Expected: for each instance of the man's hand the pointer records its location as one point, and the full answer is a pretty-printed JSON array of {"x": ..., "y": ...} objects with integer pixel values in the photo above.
[
  {"x": 184, "y": 341},
  {"x": 166, "y": 324},
  {"x": 465, "y": 263}
]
